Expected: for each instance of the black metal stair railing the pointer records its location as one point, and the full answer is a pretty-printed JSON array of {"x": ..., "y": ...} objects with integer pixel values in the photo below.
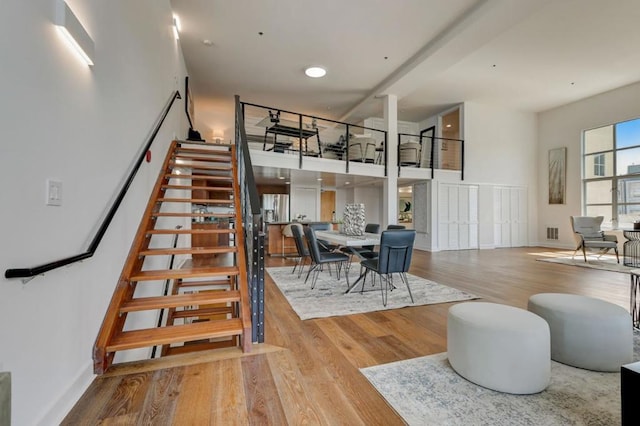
[
  {"x": 29, "y": 273},
  {"x": 252, "y": 221}
]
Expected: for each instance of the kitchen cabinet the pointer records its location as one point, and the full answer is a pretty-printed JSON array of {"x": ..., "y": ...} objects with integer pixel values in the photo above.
[{"x": 279, "y": 245}]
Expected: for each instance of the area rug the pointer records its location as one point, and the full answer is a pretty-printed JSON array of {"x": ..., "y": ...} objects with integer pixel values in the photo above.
[
  {"x": 427, "y": 390},
  {"x": 603, "y": 263},
  {"x": 328, "y": 298}
]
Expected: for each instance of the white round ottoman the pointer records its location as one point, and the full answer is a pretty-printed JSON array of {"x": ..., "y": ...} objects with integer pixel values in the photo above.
[
  {"x": 586, "y": 332},
  {"x": 499, "y": 347}
]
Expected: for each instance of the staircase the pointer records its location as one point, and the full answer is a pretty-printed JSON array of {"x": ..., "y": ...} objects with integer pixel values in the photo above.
[{"x": 204, "y": 302}]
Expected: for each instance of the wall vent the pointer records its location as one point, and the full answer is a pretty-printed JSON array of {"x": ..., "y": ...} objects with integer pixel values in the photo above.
[{"x": 552, "y": 233}]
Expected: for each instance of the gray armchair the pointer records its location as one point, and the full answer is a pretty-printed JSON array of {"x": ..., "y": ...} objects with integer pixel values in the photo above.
[{"x": 589, "y": 236}]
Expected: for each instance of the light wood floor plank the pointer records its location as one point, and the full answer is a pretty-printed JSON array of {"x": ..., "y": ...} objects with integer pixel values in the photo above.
[{"x": 307, "y": 371}]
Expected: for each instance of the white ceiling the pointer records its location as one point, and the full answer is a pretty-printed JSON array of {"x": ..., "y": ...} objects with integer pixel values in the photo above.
[{"x": 530, "y": 55}]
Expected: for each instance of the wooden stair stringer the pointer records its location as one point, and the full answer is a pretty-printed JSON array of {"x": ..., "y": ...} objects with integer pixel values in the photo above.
[
  {"x": 208, "y": 300},
  {"x": 113, "y": 320}
]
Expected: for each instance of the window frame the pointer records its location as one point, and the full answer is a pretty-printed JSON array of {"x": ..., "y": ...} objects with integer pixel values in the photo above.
[{"x": 616, "y": 179}]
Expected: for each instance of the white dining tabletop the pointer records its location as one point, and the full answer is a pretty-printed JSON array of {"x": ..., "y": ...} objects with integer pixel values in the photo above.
[{"x": 336, "y": 237}]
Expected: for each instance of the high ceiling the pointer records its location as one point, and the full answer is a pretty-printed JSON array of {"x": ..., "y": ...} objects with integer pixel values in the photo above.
[{"x": 530, "y": 55}]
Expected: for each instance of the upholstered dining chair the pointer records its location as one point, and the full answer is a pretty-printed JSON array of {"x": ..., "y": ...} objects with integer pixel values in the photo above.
[
  {"x": 588, "y": 235},
  {"x": 368, "y": 252},
  {"x": 323, "y": 226},
  {"x": 303, "y": 252},
  {"x": 320, "y": 258},
  {"x": 396, "y": 249},
  {"x": 396, "y": 226}
]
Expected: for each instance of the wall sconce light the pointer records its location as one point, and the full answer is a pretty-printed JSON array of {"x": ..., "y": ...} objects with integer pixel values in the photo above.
[
  {"x": 74, "y": 32},
  {"x": 176, "y": 27}
]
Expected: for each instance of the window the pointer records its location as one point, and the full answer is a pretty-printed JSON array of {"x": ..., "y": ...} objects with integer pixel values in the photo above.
[
  {"x": 598, "y": 165},
  {"x": 611, "y": 173}
]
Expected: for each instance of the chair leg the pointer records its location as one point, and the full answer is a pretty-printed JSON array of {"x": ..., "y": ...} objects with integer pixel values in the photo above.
[
  {"x": 302, "y": 266},
  {"x": 311, "y": 268},
  {"x": 617, "y": 257},
  {"x": 315, "y": 278},
  {"x": 584, "y": 253},
  {"x": 296, "y": 265},
  {"x": 384, "y": 289},
  {"x": 403, "y": 277}
]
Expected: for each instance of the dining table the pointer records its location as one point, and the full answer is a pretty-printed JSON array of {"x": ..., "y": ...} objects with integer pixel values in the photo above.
[{"x": 350, "y": 242}]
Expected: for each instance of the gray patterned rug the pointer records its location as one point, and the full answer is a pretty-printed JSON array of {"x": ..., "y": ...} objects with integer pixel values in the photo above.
[
  {"x": 426, "y": 391},
  {"x": 328, "y": 298},
  {"x": 605, "y": 263}
]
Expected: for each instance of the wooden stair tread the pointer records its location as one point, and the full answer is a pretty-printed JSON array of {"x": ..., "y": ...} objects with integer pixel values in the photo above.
[
  {"x": 200, "y": 346},
  {"x": 202, "y": 188},
  {"x": 205, "y": 312},
  {"x": 220, "y": 167},
  {"x": 177, "y": 214},
  {"x": 201, "y": 177},
  {"x": 195, "y": 200},
  {"x": 174, "y": 334},
  {"x": 191, "y": 250},
  {"x": 206, "y": 283},
  {"x": 192, "y": 231},
  {"x": 178, "y": 300},
  {"x": 218, "y": 159},
  {"x": 225, "y": 152},
  {"x": 168, "y": 274}
]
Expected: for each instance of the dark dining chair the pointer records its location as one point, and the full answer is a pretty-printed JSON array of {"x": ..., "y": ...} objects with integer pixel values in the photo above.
[
  {"x": 396, "y": 249},
  {"x": 303, "y": 252},
  {"x": 368, "y": 252},
  {"x": 323, "y": 226},
  {"x": 320, "y": 258},
  {"x": 396, "y": 226}
]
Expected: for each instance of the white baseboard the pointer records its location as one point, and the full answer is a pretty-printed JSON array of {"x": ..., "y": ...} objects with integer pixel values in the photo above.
[
  {"x": 487, "y": 246},
  {"x": 59, "y": 408}
]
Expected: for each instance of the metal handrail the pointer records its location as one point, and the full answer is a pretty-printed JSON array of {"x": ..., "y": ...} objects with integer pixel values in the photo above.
[
  {"x": 95, "y": 242},
  {"x": 252, "y": 226}
]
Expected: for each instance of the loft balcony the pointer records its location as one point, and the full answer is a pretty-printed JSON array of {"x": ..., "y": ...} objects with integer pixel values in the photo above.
[{"x": 287, "y": 140}]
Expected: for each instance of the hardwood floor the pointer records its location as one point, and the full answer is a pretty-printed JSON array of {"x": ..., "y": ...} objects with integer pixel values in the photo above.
[{"x": 307, "y": 371}]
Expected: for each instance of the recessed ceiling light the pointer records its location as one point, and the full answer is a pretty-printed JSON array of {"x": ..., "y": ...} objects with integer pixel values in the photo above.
[
  {"x": 347, "y": 183},
  {"x": 281, "y": 177},
  {"x": 288, "y": 183},
  {"x": 448, "y": 125},
  {"x": 315, "y": 72},
  {"x": 207, "y": 42},
  {"x": 319, "y": 179}
]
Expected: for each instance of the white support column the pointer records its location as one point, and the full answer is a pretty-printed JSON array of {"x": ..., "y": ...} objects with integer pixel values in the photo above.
[{"x": 390, "y": 187}]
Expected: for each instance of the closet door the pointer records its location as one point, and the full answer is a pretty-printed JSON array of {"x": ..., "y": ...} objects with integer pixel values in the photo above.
[
  {"x": 502, "y": 217},
  {"x": 448, "y": 217},
  {"x": 467, "y": 217},
  {"x": 510, "y": 217},
  {"x": 457, "y": 217}
]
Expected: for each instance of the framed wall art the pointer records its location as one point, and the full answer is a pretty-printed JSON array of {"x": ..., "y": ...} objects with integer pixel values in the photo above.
[{"x": 557, "y": 175}]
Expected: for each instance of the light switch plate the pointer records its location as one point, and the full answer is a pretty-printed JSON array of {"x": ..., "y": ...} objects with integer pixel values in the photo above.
[{"x": 54, "y": 192}]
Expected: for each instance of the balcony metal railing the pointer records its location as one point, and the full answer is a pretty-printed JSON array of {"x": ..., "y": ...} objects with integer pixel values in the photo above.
[
  {"x": 430, "y": 152},
  {"x": 277, "y": 130}
]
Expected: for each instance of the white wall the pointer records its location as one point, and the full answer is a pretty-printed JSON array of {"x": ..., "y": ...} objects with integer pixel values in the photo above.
[
  {"x": 305, "y": 200},
  {"x": 61, "y": 119},
  {"x": 562, "y": 127},
  {"x": 500, "y": 149},
  {"x": 371, "y": 197}
]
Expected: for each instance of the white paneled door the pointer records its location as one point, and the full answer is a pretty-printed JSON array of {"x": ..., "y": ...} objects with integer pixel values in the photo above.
[
  {"x": 457, "y": 216},
  {"x": 510, "y": 216}
]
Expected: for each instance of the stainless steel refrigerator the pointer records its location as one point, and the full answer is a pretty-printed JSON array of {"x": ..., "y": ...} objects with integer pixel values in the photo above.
[{"x": 275, "y": 207}]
